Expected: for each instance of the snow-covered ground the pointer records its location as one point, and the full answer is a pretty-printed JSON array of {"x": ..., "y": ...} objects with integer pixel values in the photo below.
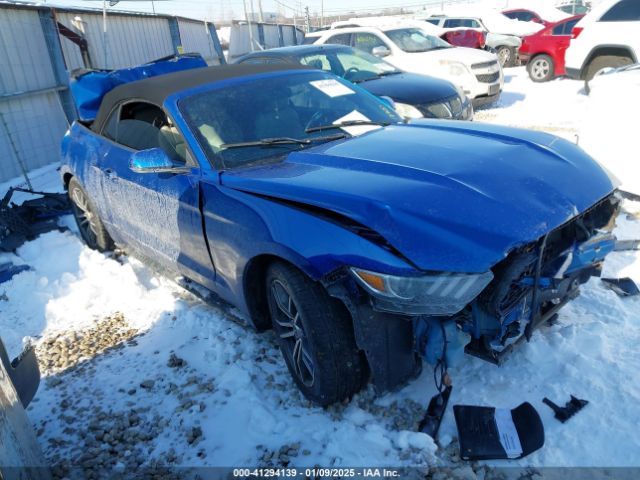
[{"x": 140, "y": 372}]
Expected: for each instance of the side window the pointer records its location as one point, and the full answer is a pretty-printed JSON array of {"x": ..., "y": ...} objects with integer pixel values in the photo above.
[
  {"x": 255, "y": 60},
  {"x": 342, "y": 39},
  {"x": 474, "y": 24},
  {"x": 110, "y": 129},
  {"x": 433, "y": 21},
  {"x": 564, "y": 28},
  {"x": 141, "y": 125},
  {"x": 452, "y": 23},
  {"x": 623, "y": 11},
  {"x": 319, "y": 62},
  {"x": 368, "y": 41},
  {"x": 568, "y": 27}
]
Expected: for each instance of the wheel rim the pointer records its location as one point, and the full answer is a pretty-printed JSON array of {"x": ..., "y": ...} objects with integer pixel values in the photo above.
[
  {"x": 504, "y": 54},
  {"x": 540, "y": 69},
  {"x": 291, "y": 331},
  {"x": 85, "y": 218}
]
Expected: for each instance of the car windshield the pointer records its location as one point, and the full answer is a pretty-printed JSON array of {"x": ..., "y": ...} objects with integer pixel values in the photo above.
[
  {"x": 353, "y": 65},
  {"x": 262, "y": 120},
  {"x": 414, "y": 40}
]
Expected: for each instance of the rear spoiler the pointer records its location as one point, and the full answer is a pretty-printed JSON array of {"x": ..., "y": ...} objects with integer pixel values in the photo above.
[{"x": 90, "y": 87}]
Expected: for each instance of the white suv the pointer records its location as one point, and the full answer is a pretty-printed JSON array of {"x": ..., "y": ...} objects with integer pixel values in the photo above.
[
  {"x": 608, "y": 36},
  {"x": 411, "y": 49}
]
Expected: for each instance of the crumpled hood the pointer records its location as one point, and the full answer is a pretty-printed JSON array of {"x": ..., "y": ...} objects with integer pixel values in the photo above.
[{"x": 450, "y": 196}]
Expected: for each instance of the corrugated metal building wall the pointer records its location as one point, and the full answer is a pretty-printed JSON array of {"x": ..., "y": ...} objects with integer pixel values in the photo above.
[
  {"x": 195, "y": 37},
  {"x": 265, "y": 36},
  {"x": 35, "y": 103},
  {"x": 131, "y": 40},
  {"x": 32, "y": 119}
]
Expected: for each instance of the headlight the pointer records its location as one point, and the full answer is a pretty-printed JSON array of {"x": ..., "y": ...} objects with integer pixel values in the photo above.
[
  {"x": 408, "y": 111},
  {"x": 440, "y": 110},
  {"x": 456, "y": 69},
  {"x": 461, "y": 93},
  {"x": 433, "y": 294}
]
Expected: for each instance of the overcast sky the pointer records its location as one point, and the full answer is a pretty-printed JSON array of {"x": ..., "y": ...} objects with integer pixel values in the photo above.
[{"x": 233, "y": 9}]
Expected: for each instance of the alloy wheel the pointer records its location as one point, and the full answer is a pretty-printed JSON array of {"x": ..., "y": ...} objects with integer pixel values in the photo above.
[
  {"x": 84, "y": 216},
  {"x": 291, "y": 331},
  {"x": 504, "y": 55},
  {"x": 540, "y": 69}
]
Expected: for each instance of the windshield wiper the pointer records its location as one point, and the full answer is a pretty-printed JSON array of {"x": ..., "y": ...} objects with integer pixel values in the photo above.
[
  {"x": 348, "y": 123},
  {"x": 377, "y": 76},
  {"x": 392, "y": 72},
  {"x": 266, "y": 142}
]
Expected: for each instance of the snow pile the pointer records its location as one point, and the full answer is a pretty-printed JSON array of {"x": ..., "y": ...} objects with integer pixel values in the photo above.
[{"x": 556, "y": 107}]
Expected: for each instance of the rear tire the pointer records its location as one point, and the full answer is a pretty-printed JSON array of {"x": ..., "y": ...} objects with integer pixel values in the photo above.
[
  {"x": 506, "y": 56},
  {"x": 84, "y": 211},
  {"x": 541, "y": 68},
  {"x": 315, "y": 334},
  {"x": 602, "y": 62}
]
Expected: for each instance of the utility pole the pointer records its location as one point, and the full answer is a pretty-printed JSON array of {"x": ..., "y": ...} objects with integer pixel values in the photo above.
[
  {"x": 246, "y": 17},
  {"x": 261, "y": 17},
  {"x": 307, "y": 20},
  {"x": 104, "y": 32},
  {"x": 321, "y": 13}
]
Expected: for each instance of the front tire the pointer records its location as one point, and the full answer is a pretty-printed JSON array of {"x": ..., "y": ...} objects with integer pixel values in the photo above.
[
  {"x": 84, "y": 211},
  {"x": 541, "y": 68},
  {"x": 602, "y": 62},
  {"x": 315, "y": 334}
]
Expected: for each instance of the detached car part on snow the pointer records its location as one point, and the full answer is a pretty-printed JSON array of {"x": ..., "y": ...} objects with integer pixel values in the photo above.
[
  {"x": 33, "y": 217},
  {"x": 20, "y": 454},
  {"x": 367, "y": 243}
]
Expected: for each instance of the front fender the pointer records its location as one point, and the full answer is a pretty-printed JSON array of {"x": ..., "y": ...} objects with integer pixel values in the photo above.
[{"x": 242, "y": 226}]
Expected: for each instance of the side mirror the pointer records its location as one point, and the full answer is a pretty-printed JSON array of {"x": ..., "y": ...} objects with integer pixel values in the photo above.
[
  {"x": 380, "y": 51},
  {"x": 154, "y": 160}
]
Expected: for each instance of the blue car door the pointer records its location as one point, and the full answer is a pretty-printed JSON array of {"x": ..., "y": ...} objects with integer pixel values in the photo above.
[{"x": 157, "y": 214}]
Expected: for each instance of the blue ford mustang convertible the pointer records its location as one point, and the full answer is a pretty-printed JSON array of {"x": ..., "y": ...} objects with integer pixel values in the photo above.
[{"x": 368, "y": 244}]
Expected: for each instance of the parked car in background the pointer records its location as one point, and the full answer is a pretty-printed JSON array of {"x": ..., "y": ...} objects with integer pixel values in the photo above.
[
  {"x": 492, "y": 20},
  {"x": 542, "y": 14},
  {"x": 574, "y": 7},
  {"x": 414, "y": 95},
  {"x": 461, "y": 37},
  {"x": 365, "y": 242},
  {"x": 505, "y": 46},
  {"x": 409, "y": 48},
  {"x": 543, "y": 52},
  {"x": 609, "y": 131},
  {"x": 607, "y": 37}
]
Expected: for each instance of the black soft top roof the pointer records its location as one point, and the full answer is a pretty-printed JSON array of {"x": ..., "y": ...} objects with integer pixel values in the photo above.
[{"x": 156, "y": 89}]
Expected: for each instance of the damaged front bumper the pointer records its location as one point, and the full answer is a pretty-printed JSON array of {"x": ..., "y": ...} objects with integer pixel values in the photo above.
[{"x": 523, "y": 291}]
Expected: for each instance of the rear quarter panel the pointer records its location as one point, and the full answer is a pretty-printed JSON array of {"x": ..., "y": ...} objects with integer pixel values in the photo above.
[{"x": 81, "y": 152}]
